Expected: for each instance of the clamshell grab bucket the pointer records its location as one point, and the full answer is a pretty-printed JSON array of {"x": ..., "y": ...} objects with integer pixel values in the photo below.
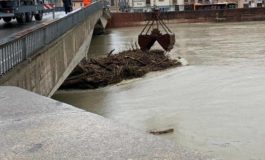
[
  {"x": 146, "y": 42},
  {"x": 167, "y": 41},
  {"x": 151, "y": 33}
]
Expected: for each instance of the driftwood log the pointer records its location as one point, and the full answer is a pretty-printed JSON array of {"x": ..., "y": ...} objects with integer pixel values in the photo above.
[{"x": 156, "y": 132}]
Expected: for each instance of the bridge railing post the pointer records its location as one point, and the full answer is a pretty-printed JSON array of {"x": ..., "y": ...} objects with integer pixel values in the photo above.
[
  {"x": 24, "y": 49},
  {"x": 1, "y": 62}
]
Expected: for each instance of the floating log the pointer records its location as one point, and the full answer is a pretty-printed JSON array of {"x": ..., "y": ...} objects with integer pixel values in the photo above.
[{"x": 157, "y": 132}]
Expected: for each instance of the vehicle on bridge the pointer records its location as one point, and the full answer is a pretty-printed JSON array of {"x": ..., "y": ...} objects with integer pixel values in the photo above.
[{"x": 21, "y": 10}]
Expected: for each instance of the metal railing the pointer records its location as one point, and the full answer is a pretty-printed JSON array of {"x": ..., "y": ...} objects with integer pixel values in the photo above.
[
  {"x": 179, "y": 8},
  {"x": 19, "y": 49}
]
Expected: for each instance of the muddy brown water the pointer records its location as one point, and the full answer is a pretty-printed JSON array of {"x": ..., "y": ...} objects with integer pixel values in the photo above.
[{"x": 216, "y": 105}]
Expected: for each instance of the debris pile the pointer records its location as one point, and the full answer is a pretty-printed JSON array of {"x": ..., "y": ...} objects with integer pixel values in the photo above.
[{"x": 114, "y": 68}]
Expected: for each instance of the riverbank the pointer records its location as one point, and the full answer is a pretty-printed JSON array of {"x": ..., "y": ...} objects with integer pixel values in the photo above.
[
  {"x": 37, "y": 127},
  {"x": 229, "y": 15}
]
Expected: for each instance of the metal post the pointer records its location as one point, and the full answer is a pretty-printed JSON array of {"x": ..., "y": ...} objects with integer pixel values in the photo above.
[{"x": 53, "y": 10}]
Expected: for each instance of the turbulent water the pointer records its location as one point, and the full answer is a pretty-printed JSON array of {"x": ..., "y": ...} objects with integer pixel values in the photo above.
[{"x": 216, "y": 105}]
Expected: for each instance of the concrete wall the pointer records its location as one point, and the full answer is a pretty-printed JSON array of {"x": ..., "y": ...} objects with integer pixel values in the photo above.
[{"x": 46, "y": 71}]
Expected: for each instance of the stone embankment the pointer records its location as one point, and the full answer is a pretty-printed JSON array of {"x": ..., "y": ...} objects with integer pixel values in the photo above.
[{"x": 229, "y": 15}]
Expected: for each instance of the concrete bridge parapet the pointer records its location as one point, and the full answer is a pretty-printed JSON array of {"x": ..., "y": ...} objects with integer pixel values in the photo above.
[{"x": 36, "y": 127}]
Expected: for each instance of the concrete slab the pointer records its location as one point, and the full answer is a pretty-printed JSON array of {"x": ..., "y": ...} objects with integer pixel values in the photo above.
[{"x": 36, "y": 127}]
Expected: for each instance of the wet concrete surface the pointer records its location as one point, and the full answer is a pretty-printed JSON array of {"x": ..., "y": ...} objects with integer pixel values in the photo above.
[
  {"x": 37, "y": 127},
  {"x": 215, "y": 105}
]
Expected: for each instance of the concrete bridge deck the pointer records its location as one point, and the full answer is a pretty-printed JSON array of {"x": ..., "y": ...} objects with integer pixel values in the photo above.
[{"x": 37, "y": 127}]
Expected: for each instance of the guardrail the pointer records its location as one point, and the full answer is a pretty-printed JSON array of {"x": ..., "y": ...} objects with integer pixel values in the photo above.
[{"x": 16, "y": 51}]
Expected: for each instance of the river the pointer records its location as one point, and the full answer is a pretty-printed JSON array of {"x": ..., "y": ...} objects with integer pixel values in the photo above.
[{"x": 216, "y": 105}]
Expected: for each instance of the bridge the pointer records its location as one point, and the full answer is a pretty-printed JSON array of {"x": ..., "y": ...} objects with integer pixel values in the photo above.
[{"x": 40, "y": 59}]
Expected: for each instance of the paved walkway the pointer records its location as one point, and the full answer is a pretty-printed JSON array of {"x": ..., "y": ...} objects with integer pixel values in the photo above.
[{"x": 36, "y": 127}]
